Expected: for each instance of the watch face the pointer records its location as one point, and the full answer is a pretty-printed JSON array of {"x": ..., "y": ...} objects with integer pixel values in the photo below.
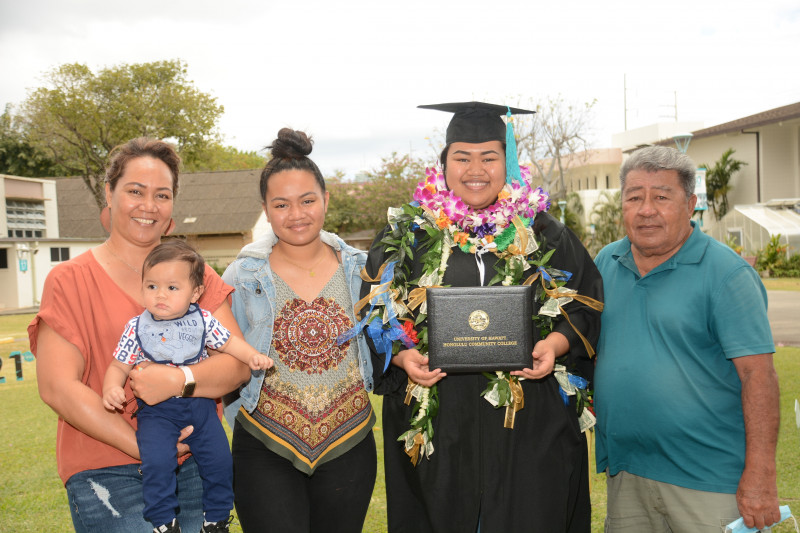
[{"x": 188, "y": 389}]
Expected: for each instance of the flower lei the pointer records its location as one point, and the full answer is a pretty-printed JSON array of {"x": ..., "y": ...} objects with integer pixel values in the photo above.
[{"x": 504, "y": 229}]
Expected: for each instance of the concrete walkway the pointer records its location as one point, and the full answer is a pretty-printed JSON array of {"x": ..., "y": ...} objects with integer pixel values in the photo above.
[{"x": 784, "y": 317}]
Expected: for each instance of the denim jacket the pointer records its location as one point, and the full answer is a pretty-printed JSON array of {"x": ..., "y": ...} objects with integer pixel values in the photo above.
[{"x": 254, "y": 307}]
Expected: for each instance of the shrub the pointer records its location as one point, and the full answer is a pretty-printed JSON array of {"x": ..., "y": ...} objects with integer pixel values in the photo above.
[{"x": 774, "y": 260}]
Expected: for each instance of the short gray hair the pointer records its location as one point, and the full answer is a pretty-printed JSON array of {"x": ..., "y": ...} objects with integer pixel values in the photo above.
[{"x": 655, "y": 158}]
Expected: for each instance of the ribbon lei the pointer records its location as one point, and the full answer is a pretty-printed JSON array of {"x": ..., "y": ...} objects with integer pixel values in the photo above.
[
  {"x": 517, "y": 403},
  {"x": 383, "y": 338},
  {"x": 553, "y": 293}
]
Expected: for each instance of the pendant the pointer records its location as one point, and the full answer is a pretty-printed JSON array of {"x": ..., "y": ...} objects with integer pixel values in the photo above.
[{"x": 311, "y": 273}]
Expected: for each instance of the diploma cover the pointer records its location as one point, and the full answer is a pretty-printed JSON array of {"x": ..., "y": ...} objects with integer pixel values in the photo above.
[{"x": 475, "y": 329}]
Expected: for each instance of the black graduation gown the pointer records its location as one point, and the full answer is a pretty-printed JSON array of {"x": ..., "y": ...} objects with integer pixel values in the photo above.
[{"x": 533, "y": 478}]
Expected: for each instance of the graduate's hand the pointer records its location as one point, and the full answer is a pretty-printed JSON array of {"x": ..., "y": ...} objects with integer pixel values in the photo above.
[
  {"x": 416, "y": 366},
  {"x": 544, "y": 357}
]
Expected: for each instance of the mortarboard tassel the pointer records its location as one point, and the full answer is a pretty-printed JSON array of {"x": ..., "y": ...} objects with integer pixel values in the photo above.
[{"x": 512, "y": 164}]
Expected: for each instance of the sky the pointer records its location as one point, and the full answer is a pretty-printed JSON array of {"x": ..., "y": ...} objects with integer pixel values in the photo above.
[{"x": 351, "y": 73}]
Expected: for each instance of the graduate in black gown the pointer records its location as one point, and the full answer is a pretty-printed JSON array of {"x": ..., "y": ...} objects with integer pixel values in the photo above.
[{"x": 482, "y": 475}]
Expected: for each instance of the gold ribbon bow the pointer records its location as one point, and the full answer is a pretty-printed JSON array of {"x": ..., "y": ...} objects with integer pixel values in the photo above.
[
  {"x": 586, "y": 300},
  {"x": 517, "y": 402},
  {"x": 376, "y": 291},
  {"x": 413, "y": 451}
]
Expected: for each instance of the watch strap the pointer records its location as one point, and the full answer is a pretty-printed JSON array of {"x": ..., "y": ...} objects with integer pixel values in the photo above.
[{"x": 189, "y": 383}]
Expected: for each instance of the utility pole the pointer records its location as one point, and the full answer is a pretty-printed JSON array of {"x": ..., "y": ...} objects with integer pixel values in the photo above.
[{"x": 625, "y": 98}]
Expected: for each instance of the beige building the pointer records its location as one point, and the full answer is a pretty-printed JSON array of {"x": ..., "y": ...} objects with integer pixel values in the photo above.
[
  {"x": 216, "y": 212},
  {"x": 590, "y": 170},
  {"x": 765, "y": 199},
  {"x": 52, "y": 220}
]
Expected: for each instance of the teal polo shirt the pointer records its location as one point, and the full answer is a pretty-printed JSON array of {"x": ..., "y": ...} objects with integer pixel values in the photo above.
[{"x": 667, "y": 394}]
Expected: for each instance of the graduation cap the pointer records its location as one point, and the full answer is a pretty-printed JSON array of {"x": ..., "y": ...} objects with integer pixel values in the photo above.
[{"x": 479, "y": 122}]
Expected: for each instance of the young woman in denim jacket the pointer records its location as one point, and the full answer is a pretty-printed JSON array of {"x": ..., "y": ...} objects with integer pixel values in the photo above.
[{"x": 303, "y": 450}]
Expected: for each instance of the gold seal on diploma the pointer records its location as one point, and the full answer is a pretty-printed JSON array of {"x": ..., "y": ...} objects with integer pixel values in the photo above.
[{"x": 478, "y": 320}]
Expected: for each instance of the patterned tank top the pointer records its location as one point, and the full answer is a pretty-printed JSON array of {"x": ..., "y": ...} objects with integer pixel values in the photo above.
[{"x": 313, "y": 406}]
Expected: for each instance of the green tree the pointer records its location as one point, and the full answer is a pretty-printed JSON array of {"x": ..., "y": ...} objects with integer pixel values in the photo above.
[
  {"x": 362, "y": 205},
  {"x": 219, "y": 157},
  {"x": 718, "y": 181},
  {"x": 79, "y": 116},
  {"x": 607, "y": 220},
  {"x": 573, "y": 213},
  {"x": 556, "y": 134},
  {"x": 18, "y": 157},
  {"x": 345, "y": 204}
]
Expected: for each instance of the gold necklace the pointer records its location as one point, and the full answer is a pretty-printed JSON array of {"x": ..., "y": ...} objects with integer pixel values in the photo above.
[
  {"x": 311, "y": 272},
  {"x": 121, "y": 259}
]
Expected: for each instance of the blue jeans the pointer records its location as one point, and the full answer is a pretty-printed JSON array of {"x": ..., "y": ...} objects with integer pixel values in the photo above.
[{"x": 109, "y": 500}]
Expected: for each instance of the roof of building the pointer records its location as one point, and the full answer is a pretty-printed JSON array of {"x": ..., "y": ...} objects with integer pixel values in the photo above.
[
  {"x": 777, "y": 221},
  {"x": 771, "y": 116},
  {"x": 78, "y": 215},
  {"x": 778, "y": 114},
  {"x": 214, "y": 203}
]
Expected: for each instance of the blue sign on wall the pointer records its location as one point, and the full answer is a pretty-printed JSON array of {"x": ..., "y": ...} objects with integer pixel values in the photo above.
[
  {"x": 23, "y": 265},
  {"x": 700, "y": 190}
]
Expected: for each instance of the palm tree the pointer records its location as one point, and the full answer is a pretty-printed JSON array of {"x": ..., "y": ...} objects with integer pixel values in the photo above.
[
  {"x": 718, "y": 181},
  {"x": 607, "y": 220},
  {"x": 573, "y": 213}
]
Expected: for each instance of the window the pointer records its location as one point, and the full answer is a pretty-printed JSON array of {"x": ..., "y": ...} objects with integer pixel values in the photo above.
[
  {"x": 3, "y": 257},
  {"x": 25, "y": 218},
  {"x": 59, "y": 254},
  {"x": 735, "y": 236}
]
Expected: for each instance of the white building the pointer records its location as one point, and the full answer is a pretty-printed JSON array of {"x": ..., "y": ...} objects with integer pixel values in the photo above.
[{"x": 30, "y": 244}]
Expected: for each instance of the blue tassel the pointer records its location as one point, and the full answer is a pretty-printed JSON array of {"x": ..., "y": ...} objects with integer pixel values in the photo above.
[{"x": 512, "y": 164}]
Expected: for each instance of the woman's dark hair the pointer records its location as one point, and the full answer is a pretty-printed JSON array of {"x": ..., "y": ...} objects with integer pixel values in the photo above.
[
  {"x": 290, "y": 152},
  {"x": 177, "y": 250},
  {"x": 142, "y": 147},
  {"x": 443, "y": 158}
]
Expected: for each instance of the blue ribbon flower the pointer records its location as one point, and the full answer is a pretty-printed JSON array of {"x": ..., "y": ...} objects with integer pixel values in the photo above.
[{"x": 382, "y": 337}]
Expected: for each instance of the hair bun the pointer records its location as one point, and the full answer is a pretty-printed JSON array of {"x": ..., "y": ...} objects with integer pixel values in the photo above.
[{"x": 291, "y": 144}]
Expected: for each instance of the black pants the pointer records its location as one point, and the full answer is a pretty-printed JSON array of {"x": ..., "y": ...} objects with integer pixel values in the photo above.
[{"x": 272, "y": 495}]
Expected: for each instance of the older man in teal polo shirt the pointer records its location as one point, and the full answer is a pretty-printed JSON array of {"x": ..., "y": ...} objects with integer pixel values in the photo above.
[{"x": 685, "y": 389}]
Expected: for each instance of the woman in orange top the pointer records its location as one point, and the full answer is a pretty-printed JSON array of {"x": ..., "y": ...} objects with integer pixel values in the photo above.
[{"x": 85, "y": 304}]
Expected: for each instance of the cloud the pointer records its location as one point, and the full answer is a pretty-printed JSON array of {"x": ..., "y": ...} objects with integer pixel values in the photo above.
[{"x": 353, "y": 72}]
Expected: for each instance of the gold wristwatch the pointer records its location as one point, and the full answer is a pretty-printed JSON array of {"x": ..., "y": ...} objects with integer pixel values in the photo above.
[{"x": 189, "y": 384}]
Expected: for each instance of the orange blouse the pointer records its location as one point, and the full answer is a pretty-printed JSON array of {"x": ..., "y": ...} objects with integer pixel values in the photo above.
[{"x": 82, "y": 303}]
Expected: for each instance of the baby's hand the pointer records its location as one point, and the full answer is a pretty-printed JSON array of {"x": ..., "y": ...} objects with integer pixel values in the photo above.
[
  {"x": 259, "y": 361},
  {"x": 114, "y": 398}
]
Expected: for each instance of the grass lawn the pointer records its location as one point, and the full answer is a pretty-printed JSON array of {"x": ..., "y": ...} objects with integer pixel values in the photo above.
[
  {"x": 782, "y": 284},
  {"x": 32, "y": 498}
]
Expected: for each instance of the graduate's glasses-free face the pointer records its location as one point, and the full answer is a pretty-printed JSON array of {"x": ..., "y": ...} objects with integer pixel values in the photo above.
[{"x": 476, "y": 172}]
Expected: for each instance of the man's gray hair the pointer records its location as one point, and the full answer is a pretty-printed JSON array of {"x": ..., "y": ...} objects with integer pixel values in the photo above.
[{"x": 655, "y": 158}]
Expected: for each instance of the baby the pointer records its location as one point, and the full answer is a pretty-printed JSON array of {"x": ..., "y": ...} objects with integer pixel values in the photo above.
[{"x": 173, "y": 330}]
